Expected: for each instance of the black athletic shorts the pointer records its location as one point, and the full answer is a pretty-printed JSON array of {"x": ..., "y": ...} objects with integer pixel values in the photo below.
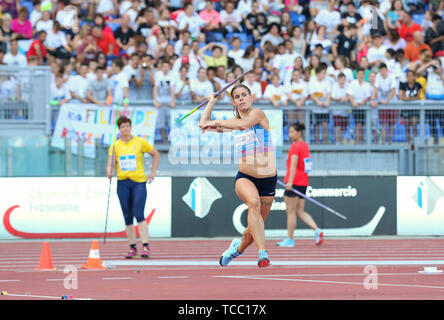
[
  {"x": 265, "y": 186},
  {"x": 292, "y": 194}
]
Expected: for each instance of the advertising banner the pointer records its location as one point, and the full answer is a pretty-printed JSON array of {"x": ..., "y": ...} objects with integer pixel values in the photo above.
[
  {"x": 209, "y": 207},
  {"x": 420, "y": 205},
  {"x": 35, "y": 208},
  {"x": 89, "y": 121}
]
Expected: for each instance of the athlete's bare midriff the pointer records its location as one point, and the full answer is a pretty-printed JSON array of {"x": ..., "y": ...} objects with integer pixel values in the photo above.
[{"x": 259, "y": 165}]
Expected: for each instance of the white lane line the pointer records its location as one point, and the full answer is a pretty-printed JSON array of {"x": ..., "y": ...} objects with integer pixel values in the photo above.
[
  {"x": 55, "y": 279},
  {"x": 43, "y": 297},
  {"x": 10, "y": 280},
  {"x": 327, "y": 275},
  {"x": 336, "y": 282}
]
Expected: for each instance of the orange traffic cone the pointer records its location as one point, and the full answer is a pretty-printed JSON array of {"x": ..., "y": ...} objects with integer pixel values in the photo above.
[
  {"x": 45, "y": 258},
  {"x": 94, "y": 261}
]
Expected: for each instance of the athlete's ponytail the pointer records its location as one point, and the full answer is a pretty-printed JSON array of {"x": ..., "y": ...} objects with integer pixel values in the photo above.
[{"x": 298, "y": 126}]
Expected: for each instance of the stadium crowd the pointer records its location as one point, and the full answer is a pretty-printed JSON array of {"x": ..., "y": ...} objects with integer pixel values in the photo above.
[{"x": 178, "y": 52}]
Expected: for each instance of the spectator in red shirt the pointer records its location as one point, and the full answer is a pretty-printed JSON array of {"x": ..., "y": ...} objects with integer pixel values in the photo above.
[
  {"x": 105, "y": 41},
  {"x": 414, "y": 48},
  {"x": 100, "y": 21},
  {"x": 37, "y": 48},
  {"x": 406, "y": 27}
]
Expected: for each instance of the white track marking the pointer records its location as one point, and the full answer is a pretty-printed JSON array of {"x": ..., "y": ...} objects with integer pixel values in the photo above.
[
  {"x": 333, "y": 282},
  {"x": 42, "y": 297},
  {"x": 323, "y": 275},
  {"x": 55, "y": 280}
]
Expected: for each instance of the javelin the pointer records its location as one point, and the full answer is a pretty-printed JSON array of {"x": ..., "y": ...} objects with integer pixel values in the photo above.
[
  {"x": 314, "y": 201},
  {"x": 215, "y": 95},
  {"x": 112, "y": 165}
]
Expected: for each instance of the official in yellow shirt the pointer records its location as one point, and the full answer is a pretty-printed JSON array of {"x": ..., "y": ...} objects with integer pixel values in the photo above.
[{"x": 127, "y": 156}]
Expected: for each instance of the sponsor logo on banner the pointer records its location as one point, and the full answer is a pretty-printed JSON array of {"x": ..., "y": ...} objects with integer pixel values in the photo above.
[
  {"x": 227, "y": 216},
  {"x": 420, "y": 205},
  {"x": 200, "y": 196},
  {"x": 279, "y": 205},
  {"x": 87, "y": 122},
  {"x": 75, "y": 208}
]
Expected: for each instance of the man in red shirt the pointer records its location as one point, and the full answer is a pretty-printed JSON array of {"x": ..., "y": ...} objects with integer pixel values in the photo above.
[
  {"x": 37, "y": 48},
  {"x": 414, "y": 48},
  {"x": 105, "y": 41},
  {"x": 406, "y": 27}
]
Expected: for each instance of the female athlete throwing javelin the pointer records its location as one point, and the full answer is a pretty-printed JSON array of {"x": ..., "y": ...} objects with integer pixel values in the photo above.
[
  {"x": 255, "y": 183},
  {"x": 127, "y": 154},
  {"x": 298, "y": 168}
]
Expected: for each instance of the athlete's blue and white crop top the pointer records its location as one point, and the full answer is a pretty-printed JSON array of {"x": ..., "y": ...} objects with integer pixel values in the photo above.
[{"x": 252, "y": 141}]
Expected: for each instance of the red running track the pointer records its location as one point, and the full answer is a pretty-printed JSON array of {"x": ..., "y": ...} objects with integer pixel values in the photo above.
[{"x": 303, "y": 272}]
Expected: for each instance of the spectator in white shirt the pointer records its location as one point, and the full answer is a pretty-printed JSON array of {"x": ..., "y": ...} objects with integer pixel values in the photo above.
[
  {"x": 320, "y": 37},
  {"x": 164, "y": 96},
  {"x": 14, "y": 57},
  {"x": 59, "y": 91},
  {"x": 182, "y": 88},
  {"x": 185, "y": 59},
  {"x": 45, "y": 23},
  {"x": 189, "y": 20},
  {"x": 201, "y": 88},
  {"x": 273, "y": 35},
  {"x": 230, "y": 18},
  {"x": 329, "y": 17},
  {"x": 108, "y": 8},
  {"x": 236, "y": 52},
  {"x": 320, "y": 92},
  {"x": 35, "y": 15},
  {"x": 383, "y": 93},
  {"x": 132, "y": 70},
  {"x": 297, "y": 92},
  {"x": 56, "y": 43},
  {"x": 184, "y": 38},
  {"x": 340, "y": 117},
  {"x": 359, "y": 93},
  {"x": 78, "y": 85},
  {"x": 376, "y": 54},
  {"x": 247, "y": 60},
  {"x": 341, "y": 66},
  {"x": 393, "y": 66},
  {"x": 255, "y": 87},
  {"x": 244, "y": 8},
  {"x": 119, "y": 83},
  {"x": 285, "y": 62},
  {"x": 275, "y": 93}
]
